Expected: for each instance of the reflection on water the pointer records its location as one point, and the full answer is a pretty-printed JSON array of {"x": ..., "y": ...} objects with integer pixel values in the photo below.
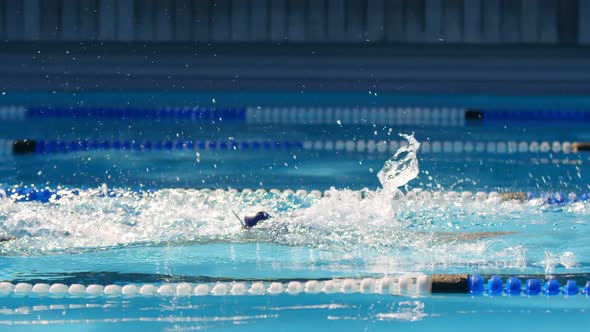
[
  {"x": 284, "y": 312},
  {"x": 209, "y": 312}
]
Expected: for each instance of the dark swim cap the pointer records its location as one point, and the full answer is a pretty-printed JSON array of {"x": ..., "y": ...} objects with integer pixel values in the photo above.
[
  {"x": 252, "y": 219},
  {"x": 5, "y": 238}
]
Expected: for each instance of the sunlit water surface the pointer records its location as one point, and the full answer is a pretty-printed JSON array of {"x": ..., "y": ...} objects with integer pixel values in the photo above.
[{"x": 190, "y": 235}]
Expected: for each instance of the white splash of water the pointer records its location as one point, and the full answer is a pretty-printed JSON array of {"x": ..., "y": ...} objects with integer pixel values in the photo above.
[
  {"x": 396, "y": 171},
  {"x": 345, "y": 210},
  {"x": 365, "y": 224}
]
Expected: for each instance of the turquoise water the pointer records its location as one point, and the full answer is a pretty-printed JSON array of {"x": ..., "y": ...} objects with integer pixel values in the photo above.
[
  {"x": 180, "y": 234},
  {"x": 293, "y": 169},
  {"x": 348, "y": 312}
]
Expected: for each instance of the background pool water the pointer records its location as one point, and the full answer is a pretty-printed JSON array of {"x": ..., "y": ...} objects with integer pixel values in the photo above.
[
  {"x": 290, "y": 168},
  {"x": 284, "y": 313},
  {"x": 180, "y": 234}
]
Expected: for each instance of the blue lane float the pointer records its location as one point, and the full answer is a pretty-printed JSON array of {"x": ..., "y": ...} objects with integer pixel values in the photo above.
[
  {"x": 552, "y": 287},
  {"x": 528, "y": 115},
  {"x": 137, "y": 113},
  {"x": 476, "y": 284},
  {"x": 571, "y": 288},
  {"x": 495, "y": 286},
  {"x": 20, "y": 147},
  {"x": 532, "y": 287},
  {"x": 47, "y": 194},
  {"x": 513, "y": 286}
]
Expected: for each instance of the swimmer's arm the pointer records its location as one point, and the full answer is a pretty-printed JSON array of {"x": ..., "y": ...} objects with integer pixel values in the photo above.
[{"x": 239, "y": 219}]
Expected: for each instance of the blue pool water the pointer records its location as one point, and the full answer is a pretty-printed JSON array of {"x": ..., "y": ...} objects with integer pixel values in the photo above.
[{"x": 513, "y": 205}]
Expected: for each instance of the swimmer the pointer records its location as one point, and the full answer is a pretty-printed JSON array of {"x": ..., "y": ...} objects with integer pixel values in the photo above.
[{"x": 253, "y": 219}]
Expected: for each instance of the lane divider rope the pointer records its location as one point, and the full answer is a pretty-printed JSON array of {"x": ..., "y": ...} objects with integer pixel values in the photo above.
[
  {"x": 309, "y": 115},
  {"x": 492, "y": 114},
  {"x": 31, "y": 146},
  {"x": 411, "y": 285},
  {"x": 408, "y": 285},
  {"x": 131, "y": 113},
  {"x": 457, "y": 147},
  {"x": 428, "y": 116},
  {"x": 47, "y": 194},
  {"x": 447, "y": 116}
]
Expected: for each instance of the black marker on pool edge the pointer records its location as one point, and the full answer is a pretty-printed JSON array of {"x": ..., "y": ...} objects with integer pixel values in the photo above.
[{"x": 252, "y": 219}]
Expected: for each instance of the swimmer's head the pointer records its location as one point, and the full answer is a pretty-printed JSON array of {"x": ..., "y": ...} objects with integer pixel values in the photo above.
[
  {"x": 252, "y": 219},
  {"x": 5, "y": 238}
]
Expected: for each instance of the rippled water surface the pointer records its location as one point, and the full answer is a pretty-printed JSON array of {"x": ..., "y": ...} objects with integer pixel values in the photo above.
[{"x": 125, "y": 217}]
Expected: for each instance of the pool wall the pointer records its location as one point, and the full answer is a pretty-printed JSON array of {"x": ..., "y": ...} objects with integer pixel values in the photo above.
[
  {"x": 372, "y": 69},
  {"x": 358, "y": 21}
]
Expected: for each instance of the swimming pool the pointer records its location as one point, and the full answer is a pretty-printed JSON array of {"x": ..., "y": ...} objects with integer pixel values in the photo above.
[{"x": 122, "y": 216}]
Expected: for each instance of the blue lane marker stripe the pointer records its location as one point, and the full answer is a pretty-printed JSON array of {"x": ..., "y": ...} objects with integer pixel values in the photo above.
[
  {"x": 53, "y": 146},
  {"x": 532, "y": 286},
  {"x": 134, "y": 113},
  {"x": 240, "y": 115},
  {"x": 530, "y": 115}
]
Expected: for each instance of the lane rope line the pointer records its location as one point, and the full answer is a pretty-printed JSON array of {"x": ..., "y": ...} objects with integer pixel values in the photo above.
[
  {"x": 31, "y": 146},
  {"x": 410, "y": 285},
  {"x": 427, "y": 116},
  {"x": 308, "y": 115},
  {"x": 47, "y": 194},
  {"x": 430, "y": 116}
]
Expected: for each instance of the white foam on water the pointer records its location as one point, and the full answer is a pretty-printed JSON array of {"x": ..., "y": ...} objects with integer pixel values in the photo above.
[
  {"x": 402, "y": 167},
  {"x": 379, "y": 226}
]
